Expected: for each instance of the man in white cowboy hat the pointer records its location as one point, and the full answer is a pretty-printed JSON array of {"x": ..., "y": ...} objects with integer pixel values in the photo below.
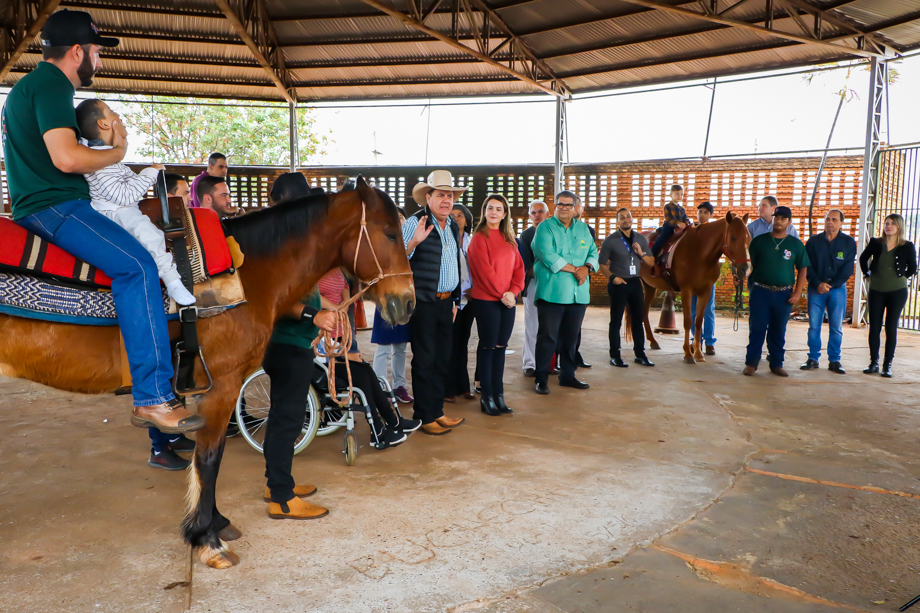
[{"x": 432, "y": 240}]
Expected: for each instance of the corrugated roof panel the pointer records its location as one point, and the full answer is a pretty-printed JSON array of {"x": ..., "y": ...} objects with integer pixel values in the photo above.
[
  {"x": 461, "y": 89},
  {"x": 408, "y": 51},
  {"x": 406, "y": 73}
]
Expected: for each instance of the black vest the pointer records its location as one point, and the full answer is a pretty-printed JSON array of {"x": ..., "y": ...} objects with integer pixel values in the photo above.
[{"x": 426, "y": 261}]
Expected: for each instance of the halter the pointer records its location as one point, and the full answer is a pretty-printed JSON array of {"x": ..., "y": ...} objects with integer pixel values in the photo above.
[{"x": 341, "y": 312}]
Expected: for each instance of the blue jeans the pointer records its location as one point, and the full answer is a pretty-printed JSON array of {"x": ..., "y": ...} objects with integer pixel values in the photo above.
[
  {"x": 709, "y": 319},
  {"x": 666, "y": 231},
  {"x": 76, "y": 228},
  {"x": 835, "y": 303},
  {"x": 769, "y": 315},
  {"x": 160, "y": 440}
]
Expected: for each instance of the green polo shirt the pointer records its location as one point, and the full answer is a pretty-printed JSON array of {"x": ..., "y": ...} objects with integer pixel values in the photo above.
[
  {"x": 300, "y": 333},
  {"x": 775, "y": 261},
  {"x": 40, "y": 101},
  {"x": 553, "y": 247}
]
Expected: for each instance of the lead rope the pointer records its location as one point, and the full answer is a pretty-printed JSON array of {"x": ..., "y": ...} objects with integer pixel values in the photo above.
[{"x": 333, "y": 349}]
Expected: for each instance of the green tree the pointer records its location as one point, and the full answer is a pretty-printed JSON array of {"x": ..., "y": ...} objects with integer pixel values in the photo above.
[{"x": 187, "y": 133}]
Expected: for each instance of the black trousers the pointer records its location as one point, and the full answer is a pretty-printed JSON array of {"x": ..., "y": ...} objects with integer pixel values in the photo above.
[
  {"x": 495, "y": 322},
  {"x": 458, "y": 377},
  {"x": 365, "y": 379},
  {"x": 626, "y": 295},
  {"x": 885, "y": 307},
  {"x": 559, "y": 325},
  {"x": 432, "y": 343},
  {"x": 290, "y": 369}
]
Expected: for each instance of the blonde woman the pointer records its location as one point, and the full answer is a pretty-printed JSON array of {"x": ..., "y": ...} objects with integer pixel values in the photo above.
[
  {"x": 497, "y": 271},
  {"x": 888, "y": 261}
]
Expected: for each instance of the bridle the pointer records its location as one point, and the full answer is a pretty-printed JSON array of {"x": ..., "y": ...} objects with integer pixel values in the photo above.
[
  {"x": 736, "y": 275},
  {"x": 335, "y": 350}
]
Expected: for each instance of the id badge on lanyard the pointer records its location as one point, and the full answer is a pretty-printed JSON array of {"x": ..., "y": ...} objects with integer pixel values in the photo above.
[{"x": 632, "y": 261}]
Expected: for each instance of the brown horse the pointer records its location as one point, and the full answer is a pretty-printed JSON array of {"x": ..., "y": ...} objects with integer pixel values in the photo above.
[
  {"x": 696, "y": 269},
  {"x": 288, "y": 248}
]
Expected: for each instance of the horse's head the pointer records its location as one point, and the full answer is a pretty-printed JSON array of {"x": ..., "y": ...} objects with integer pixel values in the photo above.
[
  {"x": 737, "y": 240},
  {"x": 374, "y": 251}
]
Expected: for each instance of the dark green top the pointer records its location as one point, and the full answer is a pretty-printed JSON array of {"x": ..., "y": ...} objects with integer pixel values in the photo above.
[
  {"x": 40, "y": 101},
  {"x": 300, "y": 333},
  {"x": 886, "y": 279},
  {"x": 775, "y": 261}
]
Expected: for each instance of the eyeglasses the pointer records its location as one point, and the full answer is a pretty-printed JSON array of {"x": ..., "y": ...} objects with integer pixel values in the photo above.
[{"x": 565, "y": 205}]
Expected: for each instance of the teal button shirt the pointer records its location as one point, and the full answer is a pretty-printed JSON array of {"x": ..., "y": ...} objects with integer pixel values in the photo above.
[{"x": 554, "y": 246}]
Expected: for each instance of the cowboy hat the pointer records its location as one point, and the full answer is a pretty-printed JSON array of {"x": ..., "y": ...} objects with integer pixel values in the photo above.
[{"x": 439, "y": 179}]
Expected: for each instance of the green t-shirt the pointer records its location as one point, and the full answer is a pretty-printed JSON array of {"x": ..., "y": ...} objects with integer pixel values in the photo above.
[
  {"x": 775, "y": 261},
  {"x": 300, "y": 333},
  {"x": 885, "y": 278},
  {"x": 40, "y": 101}
]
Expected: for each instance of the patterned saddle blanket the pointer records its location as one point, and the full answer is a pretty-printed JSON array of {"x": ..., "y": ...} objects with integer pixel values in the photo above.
[{"x": 41, "y": 281}]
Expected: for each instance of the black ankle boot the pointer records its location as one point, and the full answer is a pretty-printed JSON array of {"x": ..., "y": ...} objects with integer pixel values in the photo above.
[
  {"x": 886, "y": 369},
  {"x": 500, "y": 404},
  {"x": 873, "y": 368},
  {"x": 488, "y": 406}
]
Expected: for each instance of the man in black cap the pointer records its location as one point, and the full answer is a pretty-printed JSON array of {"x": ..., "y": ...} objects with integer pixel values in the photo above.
[
  {"x": 45, "y": 165},
  {"x": 776, "y": 257}
]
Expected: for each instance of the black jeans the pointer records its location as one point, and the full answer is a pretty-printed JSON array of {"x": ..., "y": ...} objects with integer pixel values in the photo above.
[
  {"x": 885, "y": 307},
  {"x": 458, "y": 377},
  {"x": 432, "y": 342},
  {"x": 290, "y": 369},
  {"x": 495, "y": 322},
  {"x": 365, "y": 379},
  {"x": 560, "y": 324},
  {"x": 626, "y": 295}
]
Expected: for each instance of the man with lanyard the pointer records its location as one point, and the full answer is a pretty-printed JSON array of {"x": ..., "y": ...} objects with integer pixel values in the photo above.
[
  {"x": 432, "y": 240},
  {"x": 832, "y": 254},
  {"x": 704, "y": 214},
  {"x": 775, "y": 259},
  {"x": 538, "y": 212},
  {"x": 621, "y": 256},
  {"x": 45, "y": 166},
  {"x": 564, "y": 255},
  {"x": 217, "y": 167}
]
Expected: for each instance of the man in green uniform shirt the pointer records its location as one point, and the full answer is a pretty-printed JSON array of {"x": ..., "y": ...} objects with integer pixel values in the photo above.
[
  {"x": 775, "y": 259},
  {"x": 564, "y": 255}
]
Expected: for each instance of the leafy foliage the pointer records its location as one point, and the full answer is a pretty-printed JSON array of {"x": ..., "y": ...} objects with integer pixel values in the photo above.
[{"x": 188, "y": 133}]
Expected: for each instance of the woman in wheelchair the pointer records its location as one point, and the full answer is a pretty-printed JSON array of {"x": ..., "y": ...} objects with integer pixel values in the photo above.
[{"x": 390, "y": 428}]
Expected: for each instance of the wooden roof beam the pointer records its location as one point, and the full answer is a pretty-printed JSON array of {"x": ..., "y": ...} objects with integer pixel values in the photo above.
[
  {"x": 262, "y": 42},
  {"x": 744, "y": 25},
  {"x": 444, "y": 38},
  {"x": 26, "y": 18}
]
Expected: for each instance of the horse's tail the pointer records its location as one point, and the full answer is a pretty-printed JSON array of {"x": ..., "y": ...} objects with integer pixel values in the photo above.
[{"x": 627, "y": 324}]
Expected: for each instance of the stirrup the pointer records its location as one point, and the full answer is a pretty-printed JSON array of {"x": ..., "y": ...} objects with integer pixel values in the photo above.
[{"x": 188, "y": 316}]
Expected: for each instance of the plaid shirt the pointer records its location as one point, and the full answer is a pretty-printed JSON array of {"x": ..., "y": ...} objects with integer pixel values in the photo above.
[
  {"x": 674, "y": 213},
  {"x": 450, "y": 275}
]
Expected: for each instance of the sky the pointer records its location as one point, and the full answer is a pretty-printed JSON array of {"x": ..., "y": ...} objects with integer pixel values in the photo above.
[{"x": 783, "y": 113}]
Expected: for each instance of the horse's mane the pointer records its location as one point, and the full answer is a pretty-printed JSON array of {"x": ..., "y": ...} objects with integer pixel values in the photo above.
[{"x": 265, "y": 231}]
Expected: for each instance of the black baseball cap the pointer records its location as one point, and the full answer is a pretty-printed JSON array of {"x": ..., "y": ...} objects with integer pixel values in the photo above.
[
  {"x": 706, "y": 205},
  {"x": 783, "y": 211},
  {"x": 67, "y": 28}
]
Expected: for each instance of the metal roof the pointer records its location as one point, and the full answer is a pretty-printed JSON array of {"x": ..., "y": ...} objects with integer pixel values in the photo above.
[{"x": 371, "y": 49}]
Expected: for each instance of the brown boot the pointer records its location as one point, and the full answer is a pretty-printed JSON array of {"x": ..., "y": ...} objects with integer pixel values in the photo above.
[
  {"x": 301, "y": 491},
  {"x": 170, "y": 417},
  {"x": 295, "y": 508},
  {"x": 779, "y": 371},
  {"x": 448, "y": 422},
  {"x": 749, "y": 371},
  {"x": 710, "y": 350},
  {"x": 434, "y": 429}
]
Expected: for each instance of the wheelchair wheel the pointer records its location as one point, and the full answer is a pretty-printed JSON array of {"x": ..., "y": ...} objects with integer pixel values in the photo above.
[
  {"x": 351, "y": 448},
  {"x": 253, "y": 405}
]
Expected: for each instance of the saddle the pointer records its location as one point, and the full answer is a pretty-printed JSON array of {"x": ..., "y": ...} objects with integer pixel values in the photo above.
[{"x": 665, "y": 258}]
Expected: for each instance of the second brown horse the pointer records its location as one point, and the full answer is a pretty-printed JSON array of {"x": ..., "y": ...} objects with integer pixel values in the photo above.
[{"x": 695, "y": 270}]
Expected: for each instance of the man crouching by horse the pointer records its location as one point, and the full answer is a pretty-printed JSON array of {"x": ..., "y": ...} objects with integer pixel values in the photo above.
[{"x": 45, "y": 166}]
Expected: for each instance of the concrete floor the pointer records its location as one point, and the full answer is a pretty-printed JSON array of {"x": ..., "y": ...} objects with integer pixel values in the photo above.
[{"x": 658, "y": 489}]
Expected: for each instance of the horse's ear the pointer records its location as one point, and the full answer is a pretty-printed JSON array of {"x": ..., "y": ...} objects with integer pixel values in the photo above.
[
  {"x": 365, "y": 190},
  {"x": 729, "y": 216},
  {"x": 745, "y": 218}
]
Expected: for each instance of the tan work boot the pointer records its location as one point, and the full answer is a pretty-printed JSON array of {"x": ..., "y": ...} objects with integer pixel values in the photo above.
[
  {"x": 449, "y": 422},
  {"x": 301, "y": 491},
  {"x": 434, "y": 429},
  {"x": 170, "y": 417},
  {"x": 295, "y": 508},
  {"x": 749, "y": 371}
]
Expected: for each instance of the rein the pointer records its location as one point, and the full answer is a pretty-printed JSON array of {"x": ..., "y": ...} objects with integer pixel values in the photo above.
[
  {"x": 336, "y": 350},
  {"x": 736, "y": 277}
]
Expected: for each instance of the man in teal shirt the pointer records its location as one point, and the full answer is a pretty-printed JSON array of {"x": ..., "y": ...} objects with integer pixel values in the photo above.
[{"x": 564, "y": 255}]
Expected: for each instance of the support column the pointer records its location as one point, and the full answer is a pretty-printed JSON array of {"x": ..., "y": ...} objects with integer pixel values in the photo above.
[
  {"x": 867, "y": 204},
  {"x": 292, "y": 134},
  {"x": 559, "y": 166}
]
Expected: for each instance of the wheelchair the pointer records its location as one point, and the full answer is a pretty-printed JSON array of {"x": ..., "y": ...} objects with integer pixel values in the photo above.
[{"x": 324, "y": 416}]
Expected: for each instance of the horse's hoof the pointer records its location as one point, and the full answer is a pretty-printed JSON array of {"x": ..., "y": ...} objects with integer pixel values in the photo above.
[
  {"x": 230, "y": 533},
  {"x": 219, "y": 558},
  {"x": 654, "y": 345},
  {"x": 689, "y": 360},
  {"x": 698, "y": 358}
]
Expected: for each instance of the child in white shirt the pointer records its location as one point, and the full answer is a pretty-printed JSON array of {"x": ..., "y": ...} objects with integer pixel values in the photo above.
[{"x": 116, "y": 191}]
